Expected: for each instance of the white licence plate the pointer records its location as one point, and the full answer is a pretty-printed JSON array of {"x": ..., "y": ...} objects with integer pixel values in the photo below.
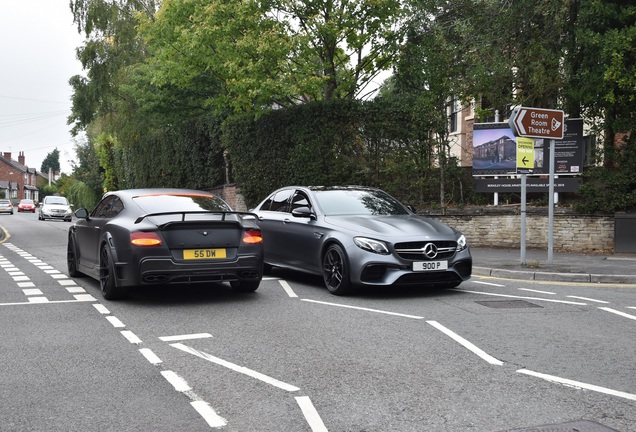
[{"x": 430, "y": 265}]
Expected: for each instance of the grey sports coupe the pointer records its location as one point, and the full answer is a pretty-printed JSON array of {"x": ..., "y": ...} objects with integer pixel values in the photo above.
[
  {"x": 355, "y": 236},
  {"x": 164, "y": 236}
]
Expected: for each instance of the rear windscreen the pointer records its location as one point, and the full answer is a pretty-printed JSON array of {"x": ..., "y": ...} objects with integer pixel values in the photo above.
[{"x": 179, "y": 203}]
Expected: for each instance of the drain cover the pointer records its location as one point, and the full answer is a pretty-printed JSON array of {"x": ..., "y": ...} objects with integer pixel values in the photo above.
[
  {"x": 575, "y": 426},
  {"x": 508, "y": 304}
]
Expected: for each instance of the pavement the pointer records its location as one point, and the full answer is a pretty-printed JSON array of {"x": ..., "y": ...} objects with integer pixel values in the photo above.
[{"x": 605, "y": 268}]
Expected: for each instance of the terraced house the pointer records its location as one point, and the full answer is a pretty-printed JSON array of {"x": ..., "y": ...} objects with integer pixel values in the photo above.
[{"x": 17, "y": 180}]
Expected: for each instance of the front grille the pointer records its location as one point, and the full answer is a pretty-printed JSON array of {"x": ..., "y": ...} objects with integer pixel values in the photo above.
[{"x": 415, "y": 250}]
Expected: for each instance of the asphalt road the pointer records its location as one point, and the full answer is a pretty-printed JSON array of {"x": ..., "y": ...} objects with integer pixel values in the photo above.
[{"x": 492, "y": 355}]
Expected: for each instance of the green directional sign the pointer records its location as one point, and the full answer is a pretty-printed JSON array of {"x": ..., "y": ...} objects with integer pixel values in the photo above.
[{"x": 525, "y": 155}]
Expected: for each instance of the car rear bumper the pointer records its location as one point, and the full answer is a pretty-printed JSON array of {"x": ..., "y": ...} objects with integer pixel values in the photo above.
[{"x": 156, "y": 271}]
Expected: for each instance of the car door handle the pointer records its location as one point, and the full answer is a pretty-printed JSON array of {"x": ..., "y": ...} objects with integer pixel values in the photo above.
[{"x": 286, "y": 220}]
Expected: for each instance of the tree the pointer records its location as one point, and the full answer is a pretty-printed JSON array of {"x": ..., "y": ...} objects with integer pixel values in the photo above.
[
  {"x": 51, "y": 162},
  {"x": 259, "y": 54}
]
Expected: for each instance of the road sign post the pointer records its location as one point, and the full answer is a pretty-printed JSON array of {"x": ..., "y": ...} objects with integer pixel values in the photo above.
[{"x": 538, "y": 123}]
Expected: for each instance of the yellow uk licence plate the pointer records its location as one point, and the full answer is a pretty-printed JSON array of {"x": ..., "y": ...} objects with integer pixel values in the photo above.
[{"x": 195, "y": 254}]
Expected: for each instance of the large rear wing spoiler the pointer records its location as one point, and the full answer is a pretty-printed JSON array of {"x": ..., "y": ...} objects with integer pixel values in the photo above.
[{"x": 183, "y": 214}]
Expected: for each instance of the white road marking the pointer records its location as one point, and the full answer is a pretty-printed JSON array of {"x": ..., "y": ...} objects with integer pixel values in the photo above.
[
  {"x": 522, "y": 297},
  {"x": 578, "y": 384},
  {"x": 614, "y": 311},
  {"x": 177, "y": 382},
  {"x": 66, "y": 282},
  {"x": 84, "y": 297},
  {"x": 33, "y": 291},
  {"x": 132, "y": 338},
  {"x": 288, "y": 289},
  {"x": 209, "y": 415},
  {"x": 364, "y": 309},
  {"x": 537, "y": 291},
  {"x": 588, "y": 299},
  {"x": 42, "y": 301},
  {"x": 101, "y": 309},
  {"x": 115, "y": 321},
  {"x": 469, "y": 345},
  {"x": 25, "y": 284},
  {"x": 237, "y": 368},
  {"x": 487, "y": 283},
  {"x": 150, "y": 356},
  {"x": 75, "y": 289},
  {"x": 185, "y": 337},
  {"x": 38, "y": 300},
  {"x": 311, "y": 415}
]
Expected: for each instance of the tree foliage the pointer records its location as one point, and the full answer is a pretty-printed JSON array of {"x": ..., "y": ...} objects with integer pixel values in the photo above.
[
  {"x": 51, "y": 161},
  {"x": 175, "y": 90}
]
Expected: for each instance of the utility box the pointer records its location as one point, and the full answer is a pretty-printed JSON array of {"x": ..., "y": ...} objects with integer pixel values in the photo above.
[{"x": 625, "y": 233}]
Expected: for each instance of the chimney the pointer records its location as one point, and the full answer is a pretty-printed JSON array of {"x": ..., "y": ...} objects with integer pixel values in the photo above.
[
  {"x": 21, "y": 158},
  {"x": 7, "y": 155}
]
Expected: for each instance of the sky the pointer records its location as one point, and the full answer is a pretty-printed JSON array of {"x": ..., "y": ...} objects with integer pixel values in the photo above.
[{"x": 37, "y": 58}]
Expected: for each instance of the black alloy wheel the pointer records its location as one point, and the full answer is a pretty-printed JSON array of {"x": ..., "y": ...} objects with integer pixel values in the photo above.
[
  {"x": 335, "y": 270},
  {"x": 107, "y": 276},
  {"x": 71, "y": 258}
]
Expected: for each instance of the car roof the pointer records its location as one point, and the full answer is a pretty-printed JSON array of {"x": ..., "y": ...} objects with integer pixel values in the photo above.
[
  {"x": 337, "y": 187},
  {"x": 132, "y": 193}
]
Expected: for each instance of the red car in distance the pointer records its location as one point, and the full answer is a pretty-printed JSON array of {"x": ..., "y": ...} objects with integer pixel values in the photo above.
[{"x": 26, "y": 205}]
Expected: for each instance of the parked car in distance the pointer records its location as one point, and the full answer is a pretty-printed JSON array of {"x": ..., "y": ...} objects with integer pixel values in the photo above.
[
  {"x": 55, "y": 207},
  {"x": 6, "y": 206},
  {"x": 26, "y": 205},
  {"x": 358, "y": 236},
  {"x": 164, "y": 236}
]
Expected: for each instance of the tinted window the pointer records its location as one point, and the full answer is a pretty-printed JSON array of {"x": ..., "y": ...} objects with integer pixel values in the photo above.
[
  {"x": 300, "y": 200},
  {"x": 185, "y": 202},
  {"x": 358, "y": 202},
  {"x": 105, "y": 207},
  {"x": 281, "y": 201}
]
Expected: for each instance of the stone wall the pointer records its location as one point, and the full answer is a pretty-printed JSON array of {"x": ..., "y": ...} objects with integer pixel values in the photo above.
[{"x": 501, "y": 227}]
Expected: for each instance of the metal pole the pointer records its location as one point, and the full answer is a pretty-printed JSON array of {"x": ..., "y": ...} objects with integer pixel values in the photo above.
[
  {"x": 551, "y": 205},
  {"x": 523, "y": 219}
]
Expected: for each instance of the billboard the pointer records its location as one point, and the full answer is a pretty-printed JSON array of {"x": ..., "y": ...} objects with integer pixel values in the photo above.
[{"x": 495, "y": 150}]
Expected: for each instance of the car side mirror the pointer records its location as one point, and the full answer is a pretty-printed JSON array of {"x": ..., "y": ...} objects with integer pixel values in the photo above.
[
  {"x": 410, "y": 207},
  {"x": 81, "y": 213},
  {"x": 303, "y": 212}
]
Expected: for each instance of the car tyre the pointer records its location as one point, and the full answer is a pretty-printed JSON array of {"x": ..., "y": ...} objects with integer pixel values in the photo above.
[
  {"x": 335, "y": 270},
  {"x": 107, "y": 284},
  {"x": 245, "y": 285},
  {"x": 71, "y": 259}
]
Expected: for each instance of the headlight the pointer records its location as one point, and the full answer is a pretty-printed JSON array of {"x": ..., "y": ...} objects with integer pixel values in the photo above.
[
  {"x": 371, "y": 245},
  {"x": 461, "y": 243}
]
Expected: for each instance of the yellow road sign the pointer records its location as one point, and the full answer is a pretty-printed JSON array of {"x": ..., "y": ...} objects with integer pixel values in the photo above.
[{"x": 525, "y": 155}]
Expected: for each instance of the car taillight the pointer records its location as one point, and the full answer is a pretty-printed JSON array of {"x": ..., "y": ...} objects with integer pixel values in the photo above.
[
  {"x": 141, "y": 238},
  {"x": 252, "y": 237}
]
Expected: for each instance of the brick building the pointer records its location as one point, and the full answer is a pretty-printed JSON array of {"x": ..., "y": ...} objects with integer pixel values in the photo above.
[{"x": 17, "y": 180}]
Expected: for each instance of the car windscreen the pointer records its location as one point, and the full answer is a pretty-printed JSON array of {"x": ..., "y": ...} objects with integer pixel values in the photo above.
[
  {"x": 358, "y": 202},
  {"x": 180, "y": 203},
  {"x": 56, "y": 200}
]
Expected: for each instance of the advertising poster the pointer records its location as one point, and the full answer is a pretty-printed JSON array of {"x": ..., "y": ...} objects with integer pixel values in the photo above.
[{"x": 495, "y": 150}]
